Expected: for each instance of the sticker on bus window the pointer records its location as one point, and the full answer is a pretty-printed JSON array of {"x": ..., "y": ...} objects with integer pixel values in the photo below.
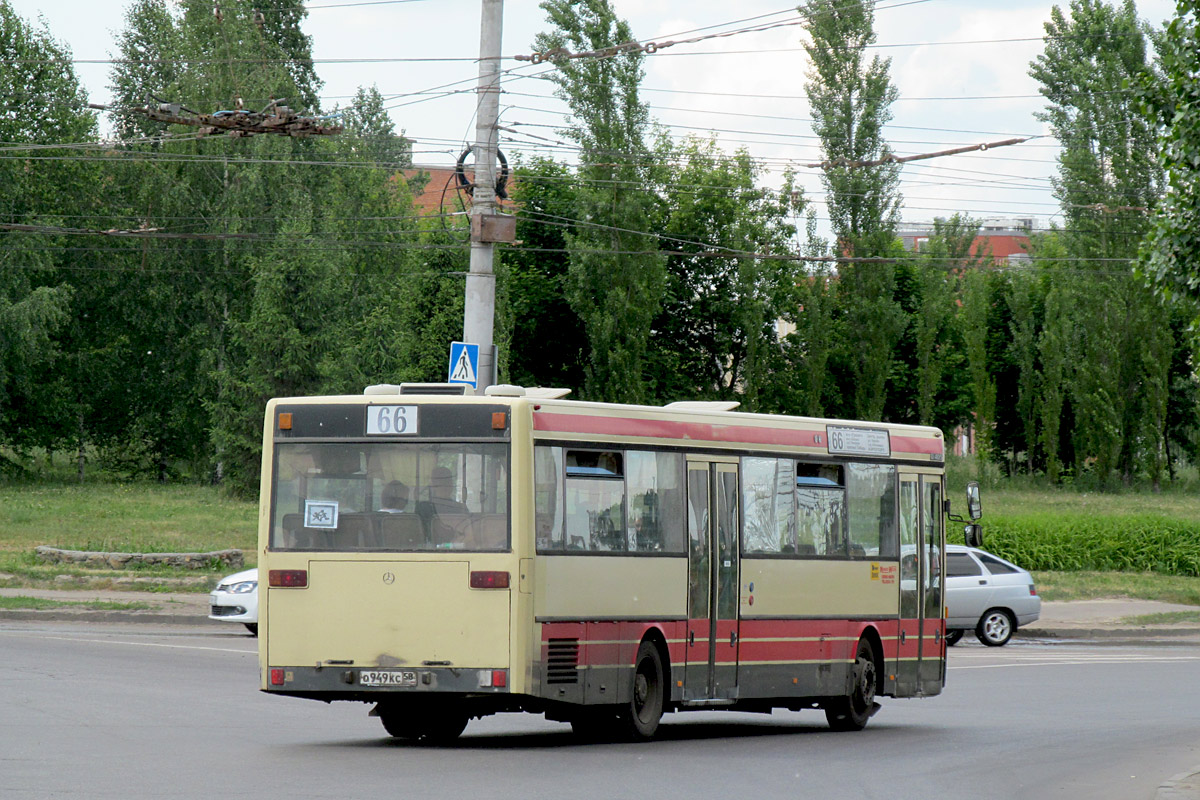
[
  {"x": 320, "y": 514},
  {"x": 859, "y": 441}
]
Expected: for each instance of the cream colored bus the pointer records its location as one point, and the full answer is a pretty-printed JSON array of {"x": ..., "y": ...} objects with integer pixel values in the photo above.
[{"x": 446, "y": 557}]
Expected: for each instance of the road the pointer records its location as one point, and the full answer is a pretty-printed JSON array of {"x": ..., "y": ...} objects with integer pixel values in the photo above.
[{"x": 107, "y": 711}]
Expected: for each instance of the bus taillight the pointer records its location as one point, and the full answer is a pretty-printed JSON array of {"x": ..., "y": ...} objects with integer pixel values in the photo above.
[
  {"x": 288, "y": 578},
  {"x": 489, "y": 579}
]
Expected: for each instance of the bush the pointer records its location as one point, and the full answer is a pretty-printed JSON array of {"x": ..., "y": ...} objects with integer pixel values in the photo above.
[{"x": 1066, "y": 543}]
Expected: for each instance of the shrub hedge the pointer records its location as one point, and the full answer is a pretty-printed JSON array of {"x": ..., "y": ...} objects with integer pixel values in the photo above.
[{"x": 1067, "y": 543}]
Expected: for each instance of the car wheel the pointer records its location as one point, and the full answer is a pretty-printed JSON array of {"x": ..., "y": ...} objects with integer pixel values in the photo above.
[
  {"x": 995, "y": 627},
  {"x": 850, "y": 713},
  {"x": 639, "y": 718},
  {"x": 429, "y": 727},
  {"x": 252, "y": 627},
  {"x": 953, "y": 636}
]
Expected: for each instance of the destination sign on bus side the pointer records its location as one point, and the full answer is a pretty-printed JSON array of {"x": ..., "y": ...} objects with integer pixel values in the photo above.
[{"x": 858, "y": 441}]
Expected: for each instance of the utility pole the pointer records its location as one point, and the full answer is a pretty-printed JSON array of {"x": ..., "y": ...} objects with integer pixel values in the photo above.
[{"x": 479, "y": 312}]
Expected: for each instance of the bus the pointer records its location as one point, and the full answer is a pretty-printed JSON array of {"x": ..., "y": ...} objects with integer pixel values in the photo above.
[{"x": 445, "y": 556}]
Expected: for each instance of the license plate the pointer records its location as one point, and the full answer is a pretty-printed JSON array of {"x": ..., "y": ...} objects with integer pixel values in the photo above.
[{"x": 387, "y": 678}]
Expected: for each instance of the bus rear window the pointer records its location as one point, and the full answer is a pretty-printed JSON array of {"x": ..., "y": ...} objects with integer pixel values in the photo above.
[{"x": 390, "y": 496}]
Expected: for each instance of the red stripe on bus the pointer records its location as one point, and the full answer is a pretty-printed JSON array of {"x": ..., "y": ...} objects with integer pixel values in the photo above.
[
  {"x": 798, "y": 640},
  {"x": 704, "y": 432},
  {"x": 670, "y": 429}
]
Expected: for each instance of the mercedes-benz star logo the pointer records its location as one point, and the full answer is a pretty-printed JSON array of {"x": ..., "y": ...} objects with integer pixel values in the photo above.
[{"x": 389, "y": 578}]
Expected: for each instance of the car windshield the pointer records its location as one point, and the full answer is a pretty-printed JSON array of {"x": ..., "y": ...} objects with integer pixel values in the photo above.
[{"x": 383, "y": 496}]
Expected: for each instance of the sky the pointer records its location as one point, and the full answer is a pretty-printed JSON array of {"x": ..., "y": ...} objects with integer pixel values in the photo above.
[{"x": 961, "y": 68}]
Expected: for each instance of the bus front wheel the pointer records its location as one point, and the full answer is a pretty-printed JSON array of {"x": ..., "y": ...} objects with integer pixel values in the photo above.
[
  {"x": 429, "y": 727},
  {"x": 850, "y": 713},
  {"x": 641, "y": 715}
]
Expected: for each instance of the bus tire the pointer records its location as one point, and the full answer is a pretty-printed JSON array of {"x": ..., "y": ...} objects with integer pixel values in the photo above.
[
  {"x": 639, "y": 718},
  {"x": 850, "y": 713},
  {"x": 953, "y": 636},
  {"x": 427, "y": 727},
  {"x": 595, "y": 725},
  {"x": 252, "y": 627}
]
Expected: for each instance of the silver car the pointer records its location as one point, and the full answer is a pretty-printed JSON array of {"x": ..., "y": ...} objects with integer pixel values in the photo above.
[{"x": 988, "y": 595}]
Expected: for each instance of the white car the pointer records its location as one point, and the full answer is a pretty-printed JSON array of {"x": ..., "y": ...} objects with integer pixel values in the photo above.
[
  {"x": 236, "y": 600},
  {"x": 988, "y": 595}
]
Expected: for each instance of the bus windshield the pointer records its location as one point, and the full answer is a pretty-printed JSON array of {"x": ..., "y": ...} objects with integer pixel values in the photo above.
[{"x": 387, "y": 496}]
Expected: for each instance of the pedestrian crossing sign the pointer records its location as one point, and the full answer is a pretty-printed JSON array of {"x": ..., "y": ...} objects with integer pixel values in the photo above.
[{"x": 464, "y": 364}]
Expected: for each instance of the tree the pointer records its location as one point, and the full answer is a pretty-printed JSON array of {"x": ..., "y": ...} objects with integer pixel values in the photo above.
[
  {"x": 850, "y": 99},
  {"x": 43, "y": 104},
  {"x": 549, "y": 345},
  {"x": 934, "y": 326},
  {"x": 1107, "y": 175},
  {"x": 616, "y": 277},
  {"x": 1171, "y": 254},
  {"x": 712, "y": 336}
]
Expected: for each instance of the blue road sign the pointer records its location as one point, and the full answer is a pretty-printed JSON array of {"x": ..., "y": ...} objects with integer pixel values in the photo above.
[{"x": 464, "y": 364}]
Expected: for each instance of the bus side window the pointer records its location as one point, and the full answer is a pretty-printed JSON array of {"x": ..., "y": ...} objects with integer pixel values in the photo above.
[
  {"x": 548, "y": 497},
  {"x": 595, "y": 500},
  {"x": 872, "y": 502},
  {"x": 821, "y": 509},
  {"x": 655, "y": 501},
  {"x": 768, "y": 506}
]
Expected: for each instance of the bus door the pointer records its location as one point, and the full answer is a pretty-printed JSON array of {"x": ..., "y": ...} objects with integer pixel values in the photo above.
[
  {"x": 911, "y": 606},
  {"x": 933, "y": 642},
  {"x": 710, "y": 672}
]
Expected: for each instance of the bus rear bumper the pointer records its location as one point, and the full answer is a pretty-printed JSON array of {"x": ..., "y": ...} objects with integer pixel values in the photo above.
[{"x": 368, "y": 683}]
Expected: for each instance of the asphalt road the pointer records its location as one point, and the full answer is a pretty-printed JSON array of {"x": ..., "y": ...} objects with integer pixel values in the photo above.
[{"x": 145, "y": 711}]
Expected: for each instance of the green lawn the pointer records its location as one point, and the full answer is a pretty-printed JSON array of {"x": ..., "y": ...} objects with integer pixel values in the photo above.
[
  {"x": 118, "y": 517},
  {"x": 1046, "y": 524},
  {"x": 42, "y": 604}
]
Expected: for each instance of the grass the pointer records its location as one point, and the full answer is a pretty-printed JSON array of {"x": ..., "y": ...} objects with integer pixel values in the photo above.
[
  {"x": 1065, "y": 586},
  {"x": 1164, "y": 618},
  {"x": 119, "y": 517},
  {"x": 42, "y": 604}
]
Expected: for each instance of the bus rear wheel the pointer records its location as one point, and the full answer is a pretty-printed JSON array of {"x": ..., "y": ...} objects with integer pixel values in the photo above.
[
  {"x": 850, "y": 713},
  {"x": 428, "y": 727},
  {"x": 640, "y": 717}
]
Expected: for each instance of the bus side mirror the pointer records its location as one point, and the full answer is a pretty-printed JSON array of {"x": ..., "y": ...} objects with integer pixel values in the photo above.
[
  {"x": 973, "y": 534},
  {"x": 974, "y": 506}
]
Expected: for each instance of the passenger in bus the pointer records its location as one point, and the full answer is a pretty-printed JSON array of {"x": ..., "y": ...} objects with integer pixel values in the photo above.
[
  {"x": 394, "y": 499},
  {"x": 446, "y": 518}
]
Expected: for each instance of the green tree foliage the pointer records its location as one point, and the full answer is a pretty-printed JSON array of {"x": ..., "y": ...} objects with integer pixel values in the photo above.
[
  {"x": 713, "y": 335},
  {"x": 1171, "y": 255},
  {"x": 41, "y": 103},
  {"x": 549, "y": 346},
  {"x": 616, "y": 276},
  {"x": 1120, "y": 339},
  {"x": 934, "y": 336},
  {"x": 850, "y": 97}
]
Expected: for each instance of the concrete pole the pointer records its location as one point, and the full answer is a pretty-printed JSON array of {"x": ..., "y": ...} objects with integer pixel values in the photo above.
[{"x": 479, "y": 312}]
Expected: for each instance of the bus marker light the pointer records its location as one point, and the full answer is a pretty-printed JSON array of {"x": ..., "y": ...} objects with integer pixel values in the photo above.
[
  {"x": 288, "y": 578},
  {"x": 499, "y": 420},
  {"x": 489, "y": 579},
  {"x": 485, "y": 679},
  {"x": 285, "y": 420},
  {"x": 499, "y": 678},
  {"x": 277, "y": 677}
]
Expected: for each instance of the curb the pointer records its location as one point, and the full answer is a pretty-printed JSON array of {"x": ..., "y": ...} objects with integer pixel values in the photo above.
[
  {"x": 106, "y": 616},
  {"x": 1107, "y": 633},
  {"x": 1184, "y": 786}
]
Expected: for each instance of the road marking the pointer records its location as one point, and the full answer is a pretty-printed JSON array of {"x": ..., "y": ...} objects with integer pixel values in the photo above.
[
  {"x": 1078, "y": 661},
  {"x": 130, "y": 644}
]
